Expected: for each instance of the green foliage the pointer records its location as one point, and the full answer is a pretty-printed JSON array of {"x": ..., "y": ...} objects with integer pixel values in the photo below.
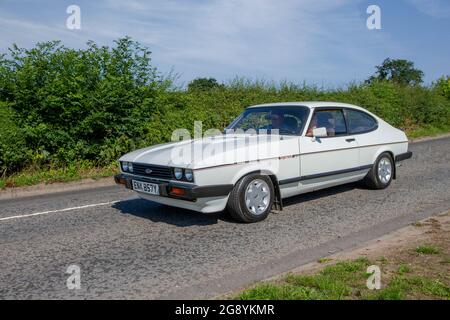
[
  {"x": 50, "y": 174},
  {"x": 13, "y": 148},
  {"x": 70, "y": 104},
  {"x": 427, "y": 249},
  {"x": 404, "y": 268},
  {"x": 324, "y": 260},
  {"x": 347, "y": 280},
  {"x": 442, "y": 86},
  {"x": 401, "y": 285},
  {"x": 334, "y": 282},
  {"x": 203, "y": 84},
  {"x": 399, "y": 71}
]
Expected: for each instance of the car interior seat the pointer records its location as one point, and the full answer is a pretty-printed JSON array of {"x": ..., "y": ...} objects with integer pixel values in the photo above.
[{"x": 291, "y": 124}]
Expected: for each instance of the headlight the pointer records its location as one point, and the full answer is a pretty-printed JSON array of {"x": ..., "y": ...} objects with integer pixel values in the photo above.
[
  {"x": 178, "y": 173},
  {"x": 188, "y": 174},
  {"x": 127, "y": 166}
]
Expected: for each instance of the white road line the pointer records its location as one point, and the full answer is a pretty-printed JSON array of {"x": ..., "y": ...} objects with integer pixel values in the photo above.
[{"x": 60, "y": 210}]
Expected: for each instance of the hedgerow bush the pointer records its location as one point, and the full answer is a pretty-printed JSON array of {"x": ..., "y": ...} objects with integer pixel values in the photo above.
[
  {"x": 73, "y": 105},
  {"x": 62, "y": 107},
  {"x": 13, "y": 147}
]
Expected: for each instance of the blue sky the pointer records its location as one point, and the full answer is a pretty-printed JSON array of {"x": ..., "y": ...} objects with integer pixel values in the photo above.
[{"x": 323, "y": 42}]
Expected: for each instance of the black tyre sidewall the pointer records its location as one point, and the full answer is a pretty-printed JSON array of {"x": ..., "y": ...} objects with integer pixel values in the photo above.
[
  {"x": 243, "y": 207},
  {"x": 380, "y": 184}
]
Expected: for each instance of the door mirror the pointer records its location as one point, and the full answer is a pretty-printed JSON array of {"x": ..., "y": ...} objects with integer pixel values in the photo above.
[{"x": 320, "y": 132}]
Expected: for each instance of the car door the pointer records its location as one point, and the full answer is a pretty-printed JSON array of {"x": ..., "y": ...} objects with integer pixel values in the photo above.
[{"x": 328, "y": 160}]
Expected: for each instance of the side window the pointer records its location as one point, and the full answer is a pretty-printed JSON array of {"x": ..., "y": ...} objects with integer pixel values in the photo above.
[
  {"x": 332, "y": 120},
  {"x": 359, "y": 121}
]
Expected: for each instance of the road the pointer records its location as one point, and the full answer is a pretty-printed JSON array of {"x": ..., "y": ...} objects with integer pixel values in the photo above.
[{"x": 134, "y": 249}]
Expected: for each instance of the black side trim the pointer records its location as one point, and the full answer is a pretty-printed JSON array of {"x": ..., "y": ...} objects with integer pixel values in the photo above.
[
  {"x": 290, "y": 180},
  {"x": 403, "y": 156},
  {"x": 326, "y": 174}
]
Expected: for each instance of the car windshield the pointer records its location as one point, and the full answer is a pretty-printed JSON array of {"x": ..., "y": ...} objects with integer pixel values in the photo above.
[{"x": 289, "y": 120}]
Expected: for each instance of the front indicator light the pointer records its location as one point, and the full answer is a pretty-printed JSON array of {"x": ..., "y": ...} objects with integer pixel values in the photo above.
[
  {"x": 120, "y": 180},
  {"x": 177, "y": 191}
]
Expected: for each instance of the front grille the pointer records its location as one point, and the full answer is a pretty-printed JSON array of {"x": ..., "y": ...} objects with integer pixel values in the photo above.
[{"x": 160, "y": 172}]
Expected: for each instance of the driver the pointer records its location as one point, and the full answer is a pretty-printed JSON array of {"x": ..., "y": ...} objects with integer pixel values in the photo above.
[{"x": 277, "y": 120}]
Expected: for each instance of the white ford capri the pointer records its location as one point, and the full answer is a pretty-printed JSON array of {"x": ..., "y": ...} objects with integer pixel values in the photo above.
[{"x": 268, "y": 153}]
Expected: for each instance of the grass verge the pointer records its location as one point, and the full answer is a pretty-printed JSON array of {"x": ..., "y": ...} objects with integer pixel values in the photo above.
[
  {"x": 427, "y": 131},
  {"x": 50, "y": 175},
  {"x": 426, "y": 249},
  {"x": 347, "y": 280},
  {"x": 416, "y": 266}
]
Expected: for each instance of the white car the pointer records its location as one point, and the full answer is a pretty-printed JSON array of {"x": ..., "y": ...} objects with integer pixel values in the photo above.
[{"x": 268, "y": 153}]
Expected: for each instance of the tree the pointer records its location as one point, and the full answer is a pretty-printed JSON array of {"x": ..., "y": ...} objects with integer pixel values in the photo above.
[
  {"x": 442, "y": 86},
  {"x": 203, "y": 84},
  {"x": 399, "y": 71}
]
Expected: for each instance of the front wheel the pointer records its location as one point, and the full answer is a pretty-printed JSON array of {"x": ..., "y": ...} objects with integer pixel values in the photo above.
[
  {"x": 251, "y": 198},
  {"x": 382, "y": 172}
]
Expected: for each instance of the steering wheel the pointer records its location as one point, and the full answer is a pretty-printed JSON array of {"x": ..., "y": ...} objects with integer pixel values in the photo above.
[{"x": 286, "y": 131}]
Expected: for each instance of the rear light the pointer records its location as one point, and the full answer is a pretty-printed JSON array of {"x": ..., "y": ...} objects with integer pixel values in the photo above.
[{"x": 177, "y": 191}]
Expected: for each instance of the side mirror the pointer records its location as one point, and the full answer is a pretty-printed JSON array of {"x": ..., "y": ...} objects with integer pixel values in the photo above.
[{"x": 320, "y": 132}]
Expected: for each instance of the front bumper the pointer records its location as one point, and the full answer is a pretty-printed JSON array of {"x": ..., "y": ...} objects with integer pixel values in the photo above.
[{"x": 191, "y": 191}]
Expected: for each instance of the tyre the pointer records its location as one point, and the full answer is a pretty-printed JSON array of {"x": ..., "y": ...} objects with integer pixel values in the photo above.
[
  {"x": 382, "y": 172},
  {"x": 251, "y": 198}
]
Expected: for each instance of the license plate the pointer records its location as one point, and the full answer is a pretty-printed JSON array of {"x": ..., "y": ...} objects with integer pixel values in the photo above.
[{"x": 150, "y": 188}]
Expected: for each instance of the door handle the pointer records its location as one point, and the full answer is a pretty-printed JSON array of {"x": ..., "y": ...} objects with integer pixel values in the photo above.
[{"x": 350, "y": 139}]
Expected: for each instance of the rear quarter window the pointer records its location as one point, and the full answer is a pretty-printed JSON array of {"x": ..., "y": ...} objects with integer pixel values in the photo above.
[{"x": 360, "y": 122}]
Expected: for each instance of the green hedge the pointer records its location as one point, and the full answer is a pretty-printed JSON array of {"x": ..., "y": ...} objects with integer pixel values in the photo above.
[
  {"x": 61, "y": 106},
  {"x": 402, "y": 106}
]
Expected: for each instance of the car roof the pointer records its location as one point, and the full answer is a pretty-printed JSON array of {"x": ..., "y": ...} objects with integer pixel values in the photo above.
[{"x": 308, "y": 104}]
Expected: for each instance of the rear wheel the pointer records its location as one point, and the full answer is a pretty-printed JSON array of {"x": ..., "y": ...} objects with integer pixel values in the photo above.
[
  {"x": 251, "y": 198},
  {"x": 382, "y": 172}
]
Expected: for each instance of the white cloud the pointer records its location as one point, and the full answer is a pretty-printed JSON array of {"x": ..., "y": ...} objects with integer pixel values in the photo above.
[
  {"x": 260, "y": 38},
  {"x": 317, "y": 40},
  {"x": 433, "y": 8}
]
